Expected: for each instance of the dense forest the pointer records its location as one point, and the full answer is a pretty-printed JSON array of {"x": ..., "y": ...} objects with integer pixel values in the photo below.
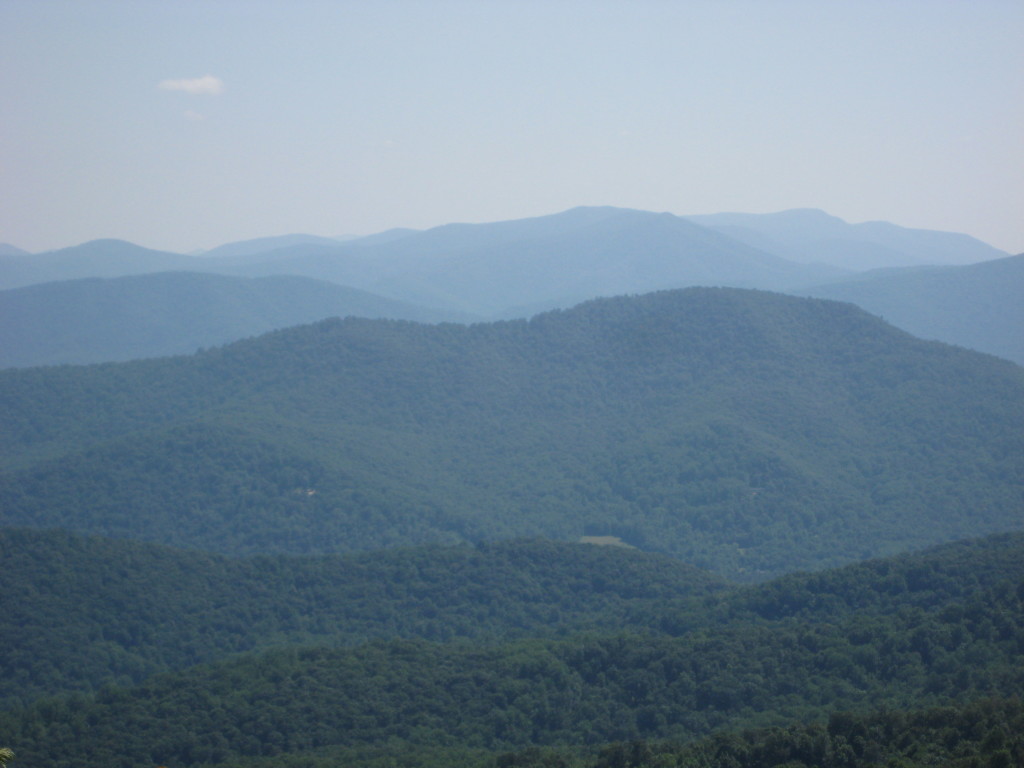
[
  {"x": 881, "y": 640},
  {"x": 983, "y": 734},
  {"x": 743, "y": 432},
  {"x": 126, "y": 610},
  {"x": 368, "y": 542}
]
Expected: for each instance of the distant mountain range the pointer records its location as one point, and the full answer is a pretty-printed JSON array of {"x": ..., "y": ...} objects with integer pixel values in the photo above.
[
  {"x": 264, "y": 244},
  {"x": 500, "y": 269},
  {"x": 810, "y": 235},
  {"x": 6, "y": 249},
  {"x": 97, "y": 258},
  {"x": 466, "y": 272}
]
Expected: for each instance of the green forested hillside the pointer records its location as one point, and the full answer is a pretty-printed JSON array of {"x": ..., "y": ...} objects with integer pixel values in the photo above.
[
  {"x": 942, "y": 628},
  {"x": 77, "y": 612},
  {"x": 989, "y": 732},
  {"x": 744, "y": 432}
]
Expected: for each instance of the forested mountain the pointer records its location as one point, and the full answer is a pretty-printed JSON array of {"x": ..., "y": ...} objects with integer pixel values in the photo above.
[
  {"x": 745, "y": 432},
  {"x": 941, "y": 628},
  {"x": 81, "y": 612},
  {"x": 808, "y": 235},
  {"x": 463, "y": 271},
  {"x": 340, "y": 498},
  {"x": 986, "y": 732},
  {"x": 170, "y": 313},
  {"x": 487, "y": 269},
  {"x": 977, "y": 306},
  {"x": 499, "y": 270}
]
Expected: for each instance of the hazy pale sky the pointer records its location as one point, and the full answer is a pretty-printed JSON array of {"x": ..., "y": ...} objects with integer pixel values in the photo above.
[{"x": 183, "y": 125}]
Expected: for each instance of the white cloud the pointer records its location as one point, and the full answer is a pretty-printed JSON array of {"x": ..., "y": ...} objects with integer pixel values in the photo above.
[
  {"x": 194, "y": 116},
  {"x": 208, "y": 85}
]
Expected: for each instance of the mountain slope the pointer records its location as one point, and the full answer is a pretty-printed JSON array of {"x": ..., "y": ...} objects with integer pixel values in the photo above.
[
  {"x": 745, "y": 432},
  {"x": 976, "y": 306},
  {"x": 82, "y": 612},
  {"x": 409, "y": 696},
  {"x": 6, "y": 249},
  {"x": 986, "y": 732},
  {"x": 169, "y": 313},
  {"x": 808, "y": 235}
]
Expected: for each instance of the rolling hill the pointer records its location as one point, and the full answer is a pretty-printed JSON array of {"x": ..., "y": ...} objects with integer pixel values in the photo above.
[
  {"x": 976, "y": 306},
  {"x": 170, "y": 313},
  {"x": 81, "y": 612},
  {"x": 885, "y": 639},
  {"x": 744, "y": 432}
]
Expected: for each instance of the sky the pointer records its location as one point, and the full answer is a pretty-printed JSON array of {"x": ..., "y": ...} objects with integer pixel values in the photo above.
[{"x": 184, "y": 125}]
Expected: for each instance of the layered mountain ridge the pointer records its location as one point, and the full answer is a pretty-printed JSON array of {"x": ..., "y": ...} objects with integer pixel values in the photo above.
[
  {"x": 355, "y": 541},
  {"x": 468, "y": 272}
]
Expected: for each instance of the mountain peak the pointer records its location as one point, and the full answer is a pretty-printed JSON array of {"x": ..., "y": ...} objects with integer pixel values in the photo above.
[
  {"x": 105, "y": 245},
  {"x": 261, "y": 245},
  {"x": 6, "y": 249}
]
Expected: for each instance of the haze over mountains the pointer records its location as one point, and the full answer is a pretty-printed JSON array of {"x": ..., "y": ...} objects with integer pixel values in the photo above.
[
  {"x": 506, "y": 269},
  {"x": 171, "y": 313},
  {"x": 978, "y": 306},
  {"x": 354, "y": 541},
  {"x": 97, "y": 258},
  {"x": 10, "y": 250},
  {"x": 265, "y": 244},
  {"x": 813, "y": 236}
]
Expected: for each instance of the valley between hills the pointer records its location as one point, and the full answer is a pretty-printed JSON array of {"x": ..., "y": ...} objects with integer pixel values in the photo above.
[{"x": 304, "y": 502}]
